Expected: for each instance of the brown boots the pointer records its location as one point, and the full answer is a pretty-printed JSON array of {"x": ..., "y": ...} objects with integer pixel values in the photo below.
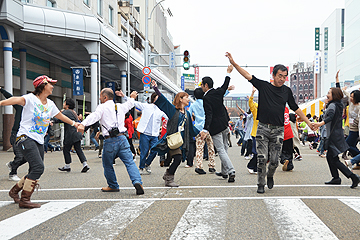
[
  {"x": 27, "y": 186},
  {"x": 169, "y": 179},
  {"x": 14, "y": 191}
]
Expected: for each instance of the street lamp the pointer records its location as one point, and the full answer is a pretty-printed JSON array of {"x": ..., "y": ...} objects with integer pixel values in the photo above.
[{"x": 147, "y": 30}]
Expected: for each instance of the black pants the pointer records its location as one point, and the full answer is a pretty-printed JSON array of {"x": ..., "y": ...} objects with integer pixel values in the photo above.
[
  {"x": 287, "y": 153},
  {"x": 248, "y": 147},
  {"x": 19, "y": 157},
  {"x": 177, "y": 160},
  {"x": 33, "y": 153},
  {"x": 335, "y": 164},
  {"x": 191, "y": 153},
  {"x": 79, "y": 152}
]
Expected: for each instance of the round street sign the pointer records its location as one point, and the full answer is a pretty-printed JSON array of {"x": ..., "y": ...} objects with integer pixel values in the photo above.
[
  {"x": 146, "y": 79},
  {"x": 146, "y": 71}
]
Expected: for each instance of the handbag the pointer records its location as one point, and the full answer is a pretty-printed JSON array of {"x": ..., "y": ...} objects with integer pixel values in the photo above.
[{"x": 175, "y": 140}]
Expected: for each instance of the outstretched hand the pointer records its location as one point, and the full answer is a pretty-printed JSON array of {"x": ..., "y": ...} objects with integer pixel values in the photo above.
[
  {"x": 80, "y": 128},
  {"x": 153, "y": 83},
  {"x": 228, "y": 55},
  {"x": 119, "y": 93},
  {"x": 134, "y": 94},
  {"x": 232, "y": 87}
]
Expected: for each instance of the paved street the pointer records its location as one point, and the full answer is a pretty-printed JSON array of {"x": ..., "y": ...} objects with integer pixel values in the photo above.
[{"x": 299, "y": 206}]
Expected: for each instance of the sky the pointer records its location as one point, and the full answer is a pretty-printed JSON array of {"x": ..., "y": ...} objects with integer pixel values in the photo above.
[{"x": 255, "y": 32}]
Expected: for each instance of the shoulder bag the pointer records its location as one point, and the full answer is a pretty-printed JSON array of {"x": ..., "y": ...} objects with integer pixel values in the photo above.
[{"x": 175, "y": 140}]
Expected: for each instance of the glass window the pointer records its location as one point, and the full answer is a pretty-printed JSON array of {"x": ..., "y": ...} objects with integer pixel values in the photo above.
[
  {"x": 294, "y": 87},
  {"x": 305, "y": 87},
  {"x": 301, "y": 77},
  {"x": 111, "y": 14},
  {"x": 99, "y": 7},
  {"x": 295, "y": 98},
  {"x": 311, "y": 86},
  {"x": 311, "y": 76},
  {"x": 87, "y": 2},
  {"x": 300, "y": 87},
  {"x": 300, "y": 97},
  {"x": 306, "y": 76}
]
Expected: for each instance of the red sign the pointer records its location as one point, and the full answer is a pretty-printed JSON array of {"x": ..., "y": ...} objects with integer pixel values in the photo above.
[
  {"x": 146, "y": 79},
  {"x": 196, "y": 75},
  {"x": 146, "y": 71}
]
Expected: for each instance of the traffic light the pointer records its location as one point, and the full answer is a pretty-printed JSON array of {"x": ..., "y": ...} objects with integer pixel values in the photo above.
[{"x": 186, "y": 59}]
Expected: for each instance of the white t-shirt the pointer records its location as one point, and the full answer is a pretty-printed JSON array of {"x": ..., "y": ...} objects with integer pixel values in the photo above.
[{"x": 35, "y": 117}]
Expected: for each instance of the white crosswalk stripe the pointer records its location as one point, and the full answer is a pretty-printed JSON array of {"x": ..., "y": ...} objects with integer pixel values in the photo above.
[
  {"x": 202, "y": 219},
  {"x": 353, "y": 203},
  {"x": 111, "y": 222},
  {"x": 198, "y": 221},
  {"x": 10, "y": 227},
  {"x": 294, "y": 220}
]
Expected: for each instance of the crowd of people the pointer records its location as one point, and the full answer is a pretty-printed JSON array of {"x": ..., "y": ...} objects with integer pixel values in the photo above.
[{"x": 177, "y": 133}]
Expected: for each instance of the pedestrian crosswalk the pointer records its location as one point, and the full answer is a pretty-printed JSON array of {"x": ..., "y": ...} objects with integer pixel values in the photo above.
[{"x": 203, "y": 218}]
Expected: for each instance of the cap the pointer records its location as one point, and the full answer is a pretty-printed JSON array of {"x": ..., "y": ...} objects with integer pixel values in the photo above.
[{"x": 43, "y": 79}]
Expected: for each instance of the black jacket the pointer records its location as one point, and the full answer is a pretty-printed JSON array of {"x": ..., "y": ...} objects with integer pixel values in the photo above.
[{"x": 216, "y": 115}]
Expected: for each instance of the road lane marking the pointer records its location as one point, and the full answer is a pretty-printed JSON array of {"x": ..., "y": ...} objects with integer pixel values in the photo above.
[
  {"x": 188, "y": 187},
  {"x": 198, "y": 221},
  {"x": 294, "y": 220},
  {"x": 4, "y": 203},
  {"x": 111, "y": 222},
  {"x": 22, "y": 222},
  {"x": 192, "y": 198},
  {"x": 354, "y": 203}
]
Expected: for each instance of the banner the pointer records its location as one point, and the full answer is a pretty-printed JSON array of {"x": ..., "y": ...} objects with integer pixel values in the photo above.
[
  {"x": 78, "y": 78},
  {"x": 112, "y": 86}
]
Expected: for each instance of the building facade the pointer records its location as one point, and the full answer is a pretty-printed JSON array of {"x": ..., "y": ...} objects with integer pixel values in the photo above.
[
  {"x": 302, "y": 82},
  {"x": 52, "y": 37}
]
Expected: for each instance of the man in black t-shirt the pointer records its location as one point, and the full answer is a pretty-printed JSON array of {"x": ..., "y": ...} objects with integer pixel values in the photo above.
[{"x": 270, "y": 133}]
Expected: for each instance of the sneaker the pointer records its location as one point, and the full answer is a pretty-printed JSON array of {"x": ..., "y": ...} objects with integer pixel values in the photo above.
[
  {"x": 251, "y": 171},
  {"x": 221, "y": 175},
  {"x": 247, "y": 157},
  {"x": 349, "y": 165},
  {"x": 298, "y": 157},
  {"x": 9, "y": 166},
  {"x": 231, "y": 177},
  {"x": 99, "y": 156},
  {"x": 187, "y": 166},
  {"x": 63, "y": 169},
  {"x": 212, "y": 170},
  {"x": 311, "y": 147},
  {"x": 143, "y": 171},
  {"x": 85, "y": 169},
  {"x": 14, "y": 178},
  {"x": 323, "y": 155},
  {"x": 148, "y": 168},
  {"x": 200, "y": 171},
  {"x": 96, "y": 148}
]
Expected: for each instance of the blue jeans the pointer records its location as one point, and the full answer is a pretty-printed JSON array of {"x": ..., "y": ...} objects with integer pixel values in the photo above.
[
  {"x": 242, "y": 135},
  {"x": 47, "y": 144},
  {"x": 92, "y": 138},
  {"x": 352, "y": 140},
  {"x": 145, "y": 143},
  {"x": 321, "y": 146},
  {"x": 118, "y": 147}
]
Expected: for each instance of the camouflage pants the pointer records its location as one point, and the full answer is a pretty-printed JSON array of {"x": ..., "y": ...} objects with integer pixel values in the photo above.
[{"x": 269, "y": 141}]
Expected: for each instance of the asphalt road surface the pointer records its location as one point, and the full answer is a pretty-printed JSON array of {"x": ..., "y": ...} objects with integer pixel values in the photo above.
[{"x": 300, "y": 206}]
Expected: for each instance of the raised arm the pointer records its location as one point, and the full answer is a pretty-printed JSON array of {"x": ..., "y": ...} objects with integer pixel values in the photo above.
[
  {"x": 13, "y": 101},
  {"x": 337, "y": 79},
  {"x": 243, "y": 72}
]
